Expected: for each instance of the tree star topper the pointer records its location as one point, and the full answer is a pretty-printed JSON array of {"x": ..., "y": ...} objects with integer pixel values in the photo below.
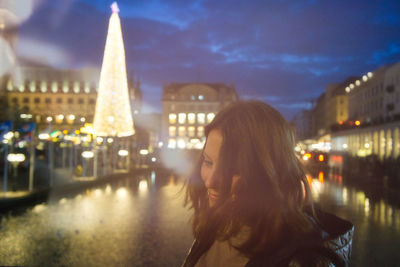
[{"x": 114, "y": 7}]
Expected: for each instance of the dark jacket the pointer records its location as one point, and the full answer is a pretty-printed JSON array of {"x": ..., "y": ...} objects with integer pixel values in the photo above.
[{"x": 329, "y": 244}]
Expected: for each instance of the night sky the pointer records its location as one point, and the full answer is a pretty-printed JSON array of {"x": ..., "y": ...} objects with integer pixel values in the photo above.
[{"x": 282, "y": 52}]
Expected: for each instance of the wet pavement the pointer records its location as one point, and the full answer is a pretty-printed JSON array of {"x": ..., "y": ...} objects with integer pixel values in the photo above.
[
  {"x": 374, "y": 213},
  {"x": 141, "y": 222}
]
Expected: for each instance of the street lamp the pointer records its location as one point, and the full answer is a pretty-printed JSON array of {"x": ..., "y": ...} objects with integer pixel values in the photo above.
[
  {"x": 125, "y": 155},
  {"x": 15, "y": 159},
  {"x": 86, "y": 155}
]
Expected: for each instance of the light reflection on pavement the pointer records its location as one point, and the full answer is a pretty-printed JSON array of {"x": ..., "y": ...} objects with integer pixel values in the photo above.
[
  {"x": 137, "y": 222},
  {"x": 141, "y": 222},
  {"x": 377, "y": 222}
]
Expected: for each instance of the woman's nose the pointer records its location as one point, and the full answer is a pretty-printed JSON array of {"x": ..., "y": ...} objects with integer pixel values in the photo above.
[{"x": 210, "y": 181}]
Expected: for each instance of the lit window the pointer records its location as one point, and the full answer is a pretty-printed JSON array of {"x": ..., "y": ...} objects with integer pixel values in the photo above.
[
  {"x": 181, "y": 118},
  {"x": 210, "y": 117},
  {"x": 172, "y": 131},
  {"x": 200, "y": 131},
  {"x": 182, "y": 131},
  {"x": 76, "y": 87},
  {"x": 32, "y": 86},
  {"x": 71, "y": 118},
  {"x": 191, "y": 131},
  {"x": 43, "y": 87},
  {"x": 172, "y": 118},
  {"x": 21, "y": 88},
  {"x": 201, "y": 97},
  {"x": 65, "y": 87},
  {"x": 171, "y": 143},
  {"x": 191, "y": 118},
  {"x": 9, "y": 85},
  {"x": 59, "y": 118},
  {"x": 87, "y": 88},
  {"x": 54, "y": 87},
  {"x": 201, "y": 118},
  {"x": 181, "y": 144}
]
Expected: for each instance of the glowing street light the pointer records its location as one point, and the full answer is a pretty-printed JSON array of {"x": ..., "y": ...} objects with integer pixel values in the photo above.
[
  {"x": 87, "y": 154},
  {"x": 123, "y": 153},
  {"x": 143, "y": 152},
  {"x": 15, "y": 159},
  {"x": 44, "y": 136}
]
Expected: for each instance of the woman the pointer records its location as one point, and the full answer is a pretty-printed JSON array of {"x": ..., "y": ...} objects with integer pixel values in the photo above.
[{"x": 251, "y": 200}]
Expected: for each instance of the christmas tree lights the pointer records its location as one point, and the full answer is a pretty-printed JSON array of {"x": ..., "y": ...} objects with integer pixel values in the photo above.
[{"x": 113, "y": 115}]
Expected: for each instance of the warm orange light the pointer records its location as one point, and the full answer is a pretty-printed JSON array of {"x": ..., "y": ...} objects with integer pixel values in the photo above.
[
  {"x": 338, "y": 159},
  {"x": 309, "y": 179},
  {"x": 308, "y": 155},
  {"x": 321, "y": 157},
  {"x": 340, "y": 122},
  {"x": 357, "y": 123},
  {"x": 321, "y": 177},
  {"x": 65, "y": 132}
]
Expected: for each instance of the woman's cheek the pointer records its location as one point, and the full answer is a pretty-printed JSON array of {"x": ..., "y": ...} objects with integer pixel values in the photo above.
[{"x": 202, "y": 173}]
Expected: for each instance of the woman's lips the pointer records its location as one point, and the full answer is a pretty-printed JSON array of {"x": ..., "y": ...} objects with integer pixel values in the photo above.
[{"x": 212, "y": 196}]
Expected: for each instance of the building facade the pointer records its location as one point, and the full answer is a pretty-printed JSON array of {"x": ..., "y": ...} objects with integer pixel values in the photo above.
[
  {"x": 366, "y": 97},
  {"x": 187, "y": 108},
  {"x": 64, "y": 98},
  {"x": 374, "y": 108}
]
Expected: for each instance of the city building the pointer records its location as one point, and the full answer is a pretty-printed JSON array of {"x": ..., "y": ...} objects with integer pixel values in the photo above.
[
  {"x": 64, "y": 98},
  {"x": 187, "y": 108},
  {"x": 302, "y": 124},
  {"x": 366, "y": 97},
  {"x": 374, "y": 112},
  {"x": 337, "y": 104}
]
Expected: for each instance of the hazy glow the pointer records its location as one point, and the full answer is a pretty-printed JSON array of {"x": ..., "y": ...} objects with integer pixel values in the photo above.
[
  {"x": 108, "y": 189},
  {"x": 122, "y": 192},
  {"x": 143, "y": 187}
]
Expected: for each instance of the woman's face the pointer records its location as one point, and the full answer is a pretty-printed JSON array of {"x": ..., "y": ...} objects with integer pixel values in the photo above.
[{"x": 209, "y": 165}]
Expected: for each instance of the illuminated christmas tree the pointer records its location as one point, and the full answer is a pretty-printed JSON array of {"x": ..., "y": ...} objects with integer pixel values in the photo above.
[{"x": 113, "y": 115}]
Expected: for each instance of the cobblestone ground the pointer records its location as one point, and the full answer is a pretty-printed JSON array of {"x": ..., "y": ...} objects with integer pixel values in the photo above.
[{"x": 137, "y": 222}]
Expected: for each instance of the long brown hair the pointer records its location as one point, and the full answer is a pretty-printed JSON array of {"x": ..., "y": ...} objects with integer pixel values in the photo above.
[{"x": 258, "y": 146}]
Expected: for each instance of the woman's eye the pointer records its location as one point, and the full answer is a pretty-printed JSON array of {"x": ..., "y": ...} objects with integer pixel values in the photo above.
[{"x": 207, "y": 163}]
